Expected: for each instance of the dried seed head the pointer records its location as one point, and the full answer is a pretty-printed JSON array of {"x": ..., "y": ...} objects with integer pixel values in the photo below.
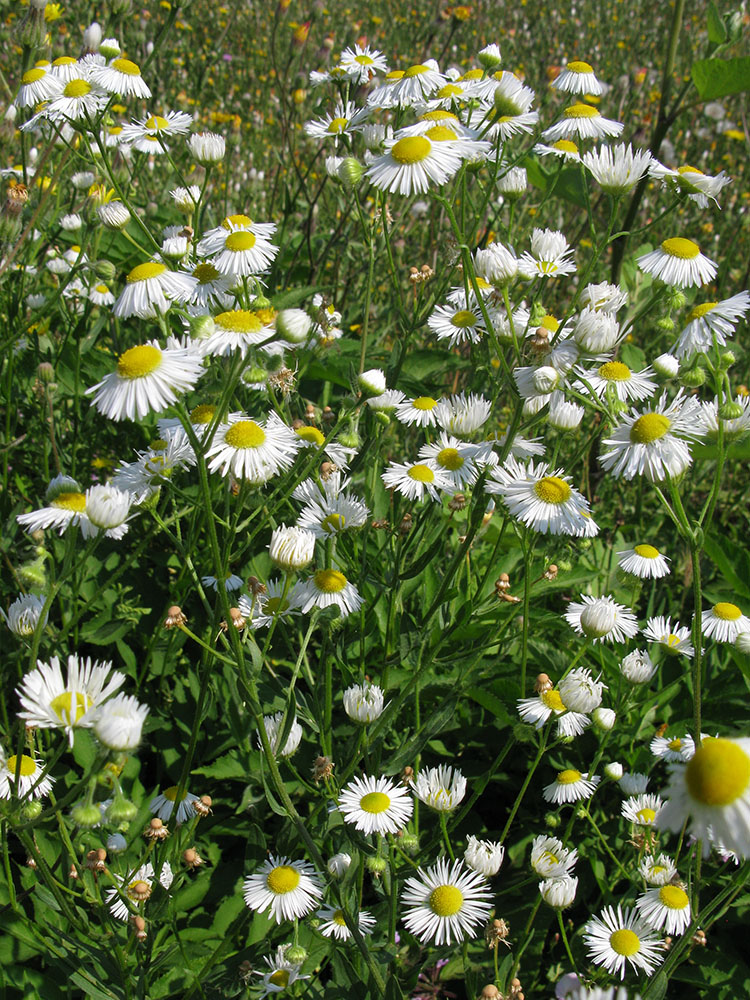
[
  {"x": 139, "y": 926},
  {"x": 490, "y": 992},
  {"x": 322, "y": 768},
  {"x": 30, "y": 863},
  {"x": 175, "y": 617},
  {"x": 96, "y": 861},
  {"x": 407, "y": 522},
  {"x": 380, "y": 524},
  {"x": 156, "y": 830},
  {"x": 191, "y": 858},
  {"x": 551, "y": 572},
  {"x": 496, "y": 931},
  {"x": 457, "y": 501},
  {"x": 73, "y": 873},
  {"x": 699, "y": 938},
  {"x": 407, "y": 775},
  {"x": 203, "y": 805},
  {"x": 542, "y": 684},
  {"x": 139, "y": 891},
  {"x": 237, "y": 619},
  {"x": 327, "y": 469},
  {"x": 503, "y": 582}
]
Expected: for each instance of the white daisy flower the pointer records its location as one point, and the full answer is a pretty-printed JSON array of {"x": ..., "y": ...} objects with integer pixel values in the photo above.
[
  {"x": 148, "y": 378},
  {"x": 619, "y": 937},
  {"x": 327, "y": 587},
  {"x": 603, "y": 297},
  {"x": 80, "y": 100},
  {"x": 678, "y": 262},
  {"x": 272, "y": 725},
  {"x": 282, "y": 973},
  {"x": 291, "y": 548},
  {"x": 243, "y": 253},
  {"x": 49, "y": 702},
  {"x": 64, "y": 68},
  {"x": 364, "y": 702},
  {"x": 30, "y": 780},
  {"x": 559, "y": 892},
  {"x": 345, "y": 119},
  {"x": 375, "y": 805},
  {"x": 119, "y": 723},
  {"x": 583, "y": 122},
  {"x": 667, "y": 907},
  {"x": 278, "y": 602},
  {"x": 252, "y": 450},
  {"x": 601, "y": 619},
  {"x": 463, "y": 415},
  {"x": 361, "y": 64},
  {"x": 550, "y": 256},
  {"x": 333, "y": 923},
  {"x": 457, "y": 326},
  {"x": 445, "y": 904},
  {"x": 164, "y": 804},
  {"x": 289, "y": 889},
  {"x": 596, "y": 331},
  {"x": 328, "y": 509},
  {"x": 732, "y": 429},
  {"x": 484, "y": 856},
  {"x": 455, "y": 458},
  {"x": 419, "y": 411},
  {"x": 148, "y": 473},
  {"x": 147, "y": 135},
  {"x": 496, "y": 263},
  {"x": 441, "y": 788},
  {"x": 207, "y": 147},
  {"x": 150, "y": 289},
  {"x": 213, "y": 240},
  {"x": 231, "y": 582},
  {"x": 387, "y": 401},
  {"x": 673, "y": 748},
  {"x": 617, "y": 169},
  {"x": 23, "y": 615},
  {"x": 542, "y": 500},
  {"x": 570, "y": 786},
  {"x": 412, "y": 164},
  {"x": 38, "y": 84},
  {"x": 723, "y": 622},
  {"x": 338, "y": 865},
  {"x": 403, "y": 88},
  {"x": 415, "y": 479},
  {"x": 136, "y": 888},
  {"x": 633, "y": 783},
  {"x": 657, "y": 871},
  {"x": 547, "y": 705},
  {"x": 566, "y": 149},
  {"x": 653, "y": 444},
  {"x": 673, "y": 638},
  {"x": 642, "y": 809},
  {"x": 550, "y": 859},
  {"x": 580, "y": 691},
  {"x": 699, "y": 187},
  {"x": 238, "y": 330},
  {"x": 578, "y": 77},
  {"x": 101, "y": 295},
  {"x": 122, "y": 77},
  {"x": 615, "y": 378},
  {"x": 66, "y": 505},
  {"x": 644, "y": 561},
  {"x": 711, "y": 323}
]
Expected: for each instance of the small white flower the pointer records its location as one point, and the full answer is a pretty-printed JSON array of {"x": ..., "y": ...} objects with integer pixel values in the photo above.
[
  {"x": 164, "y": 804},
  {"x": 333, "y": 923},
  {"x": 678, "y": 262},
  {"x": 674, "y": 639},
  {"x": 119, "y": 723},
  {"x": 375, "y": 805},
  {"x": 442, "y": 788},
  {"x": 579, "y": 691},
  {"x": 444, "y": 903},
  {"x": 723, "y": 622},
  {"x": 550, "y": 859},
  {"x": 559, "y": 892},
  {"x": 272, "y": 724},
  {"x": 24, "y": 613},
  {"x": 601, "y": 619},
  {"x": 570, "y": 786},
  {"x": 674, "y": 748},
  {"x": 667, "y": 907},
  {"x": 641, "y": 810},
  {"x": 484, "y": 856},
  {"x": 289, "y": 889},
  {"x": 644, "y": 561},
  {"x": 363, "y": 702},
  {"x": 291, "y": 548}
]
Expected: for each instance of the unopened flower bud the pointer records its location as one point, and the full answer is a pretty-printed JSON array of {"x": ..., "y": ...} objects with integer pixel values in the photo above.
[
  {"x": 121, "y": 810},
  {"x": 693, "y": 379},
  {"x": 86, "y": 815},
  {"x": 105, "y": 270},
  {"x": 666, "y": 365},
  {"x": 727, "y": 359},
  {"x": 665, "y": 324},
  {"x": 350, "y": 173},
  {"x": 296, "y": 954},
  {"x": 614, "y": 770},
  {"x": 730, "y": 410},
  {"x": 604, "y": 719},
  {"x": 376, "y": 866}
]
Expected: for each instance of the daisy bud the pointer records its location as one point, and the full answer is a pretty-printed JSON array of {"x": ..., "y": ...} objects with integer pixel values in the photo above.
[
  {"x": 730, "y": 410},
  {"x": 293, "y": 325},
  {"x": 409, "y": 842},
  {"x": 110, "y": 48},
  {"x": 371, "y": 382},
  {"x": 116, "y": 843},
  {"x": 86, "y": 815},
  {"x": 545, "y": 379},
  {"x": 296, "y": 954},
  {"x": 727, "y": 359},
  {"x": 559, "y": 892},
  {"x": 665, "y": 324},
  {"x": 484, "y": 856},
  {"x": 92, "y": 37},
  {"x": 31, "y": 811},
  {"x": 121, "y": 810},
  {"x": 113, "y": 215},
  {"x": 489, "y": 57},
  {"x": 614, "y": 770},
  {"x": 742, "y": 642},
  {"x": 119, "y": 723},
  {"x": 604, "y": 719},
  {"x": 666, "y": 365},
  {"x": 363, "y": 702},
  {"x": 564, "y": 416},
  {"x": 106, "y": 507},
  {"x": 675, "y": 297},
  {"x": 376, "y": 866},
  {"x": 637, "y": 667},
  {"x": 338, "y": 864},
  {"x": 291, "y": 548},
  {"x": 579, "y": 691},
  {"x": 693, "y": 379},
  {"x": 513, "y": 183},
  {"x": 24, "y": 614},
  {"x": 350, "y": 173},
  {"x": 207, "y": 147},
  {"x": 105, "y": 270}
]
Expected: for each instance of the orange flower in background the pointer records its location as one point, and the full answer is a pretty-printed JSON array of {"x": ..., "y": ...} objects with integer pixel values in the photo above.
[
  {"x": 553, "y": 72},
  {"x": 462, "y": 13},
  {"x": 301, "y": 32}
]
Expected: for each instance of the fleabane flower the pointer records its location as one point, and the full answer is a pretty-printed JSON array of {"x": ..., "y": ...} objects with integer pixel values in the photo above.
[
  {"x": 657, "y": 870},
  {"x": 445, "y": 903},
  {"x": 616, "y": 379},
  {"x": 413, "y": 164},
  {"x": 484, "y": 856},
  {"x": 710, "y": 324},
  {"x": 601, "y": 619},
  {"x": 150, "y": 288},
  {"x": 375, "y": 805},
  {"x": 174, "y": 801},
  {"x": 272, "y": 726},
  {"x": 723, "y": 622},
  {"x": 361, "y": 64},
  {"x": 255, "y": 450},
  {"x": 345, "y": 119},
  {"x": 578, "y": 77},
  {"x": 621, "y": 937},
  {"x": 333, "y": 924},
  {"x": 288, "y": 889},
  {"x": 363, "y": 702},
  {"x": 243, "y": 252},
  {"x": 641, "y": 809},
  {"x": 617, "y": 169},
  {"x": 559, "y": 893},
  {"x": 31, "y": 777},
  {"x": 550, "y": 858},
  {"x": 665, "y": 907},
  {"x": 582, "y": 121},
  {"x": 417, "y": 479},
  {"x": 550, "y": 256},
  {"x": 549, "y": 704},
  {"x": 121, "y": 76},
  {"x": 119, "y": 723},
  {"x": 673, "y": 748},
  {"x": 674, "y": 639},
  {"x": 699, "y": 187},
  {"x": 326, "y": 588},
  {"x": 457, "y": 325},
  {"x": 148, "y": 379},
  {"x": 678, "y": 262},
  {"x": 543, "y": 500},
  {"x": 24, "y": 614},
  {"x": 281, "y": 972},
  {"x": 644, "y": 561},
  {"x": 441, "y": 788},
  {"x": 570, "y": 785},
  {"x": 136, "y": 888},
  {"x": 403, "y": 88},
  {"x": 580, "y": 691}
]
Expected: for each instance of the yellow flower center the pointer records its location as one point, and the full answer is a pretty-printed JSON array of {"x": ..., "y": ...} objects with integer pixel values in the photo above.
[
  {"x": 139, "y": 361},
  {"x": 439, "y": 133},
  {"x": 33, "y": 75},
  {"x": 275, "y": 606},
  {"x": 727, "y": 612},
  {"x": 577, "y": 66},
  {"x": 102, "y": 289},
  {"x": 476, "y": 74},
  {"x": 395, "y": 74},
  {"x": 424, "y": 403},
  {"x": 673, "y": 897},
  {"x": 364, "y": 60},
  {"x": 689, "y": 170},
  {"x": 337, "y": 126},
  {"x": 77, "y": 88},
  {"x": 421, "y": 474},
  {"x": 549, "y": 858},
  {"x": 550, "y": 323},
  {"x": 280, "y": 978},
  {"x": 63, "y": 61},
  {"x": 70, "y": 501},
  {"x": 338, "y": 918},
  {"x": 625, "y": 942},
  {"x": 568, "y": 777},
  {"x": 28, "y": 766},
  {"x": 439, "y": 115},
  {"x": 62, "y": 706},
  {"x": 649, "y": 428},
  {"x": 646, "y": 816},
  {"x": 718, "y": 774},
  {"x": 127, "y": 67},
  {"x": 446, "y": 900},
  {"x": 581, "y": 111},
  {"x": 675, "y": 744},
  {"x": 417, "y": 70},
  {"x": 205, "y": 273},
  {"x": 171, "y": 794},
  {"x": 203, "y": 414},
  {"x": 266, "y": 316},
  {"x": 242, "y": 240},
  {"x": 375, "y": 802},
  {"x": 311, "y": 434},
  {"x": 449, "y": 90},
  {"x": 552, "y": 489},
  {"x": 565, "y": 146},
  {"x": 143, "y": 272},
  {"x": 412, "y": 149},
  {"x": 615, "y": 371},
  {"x": 282, "y": 879},
  {"x": 699, "y": 311},
  {"x": 237, "y": 220},
  {"x": 333, "y": 523},
  {"x": 553, "y": 700},
  {"x": 245, "y": 434},
  {"x": 239, "y": 321},
  {"x": 463, "y": 319},
  {"x": 657, "y": 870},
  {"x": 449, "y": 458},
  {"x": 646, "y": 551},
  {"x": 681, "y": 248},
  {"x": 329, "y": 581},
  {"x": 157, "y": 122}
]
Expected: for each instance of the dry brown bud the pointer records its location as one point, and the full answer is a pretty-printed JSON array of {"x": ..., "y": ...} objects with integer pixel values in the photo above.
[
  {"x": 30, "y": 863},
  {"x": 255, "y": 587},
  {"x": 139, "y": 926},
  {"x": 73, "y": 873},
  {"x": 407, "y": 775},
  {"x": 322, "y": 768},
  {"x": 551, "y": 572},
  {"x": 175, "y": 617},
  {"x": 97, "y": 860},
  {"x": 191, "y": 858},
  {"x": 542, "y": 684},
  {"x": 496, "y": 931},
  {"x": 237, "y": 619},
  {"x": 139, "y": 891},
  {"x": 490, "y": 992},
  {"x": 156, "y": 830},
  {"x": 380, "y": 524},
  {"x": 407, "y": 523},
  {"x": 457, "y": 501},
  {"x": 203, "y": 805}
]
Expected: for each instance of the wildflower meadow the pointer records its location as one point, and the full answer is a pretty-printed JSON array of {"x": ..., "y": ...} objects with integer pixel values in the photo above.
[{"x": 374, "y": 449}]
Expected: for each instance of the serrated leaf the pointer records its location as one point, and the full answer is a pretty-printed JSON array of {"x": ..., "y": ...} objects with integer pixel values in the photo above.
[
  {"x": 436, "y": 722},
  {"x": 91, "y": 989},
  {"x": 489, "y": 701},
  {"x": 714, "y": 78},
  {"x": 223, "y": 767}
]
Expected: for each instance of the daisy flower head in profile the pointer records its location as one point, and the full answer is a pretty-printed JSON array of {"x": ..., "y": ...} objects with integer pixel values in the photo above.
[
  {"x": 150, "y": 289},
  {"x": 644, "y": 561},
  {"x": 50, "y": 702},
  {"x": 634, "y": 783},
  {"x": 678, "y": 262},
  {"x": 570, "y": 785},
  {"x": 710, "y": 324},
  {"x": 213, "y": 240},
  {"x": 165, "y": 804},
  {"x": 550, "y": 858},
  {"x": 462, "y": 415},
  {"x": 723, "y": 622},
  {"x": 416, "y": 479},
  {"x": 617, "y": 169},
  {"x": 732, "y": 428},
  {"x": 665, "y": 907},
  {"x": 66, "y": 505},
  {"x": 615, "y": 379},
  {"x": 578, "y": 77},
  {"x": 674, "y": 639},
  {"x": 455, "y": 458},
  {"x": 441, "y": 788},
  {"x": 329, "y": 509},
  {"x": 364, "y": 703},
  {"x": 550, "y": 256},
  {"x": 601, "y": 619},
  {"x": 121, "y": 76},
  {"x": 565, "y": 149},
  {"x": 404, "y": 88},
  {"x": 327, "y": 588},
  {"x": 548, "y": 704},
  {"x": 237, "y": 330},
  {"x": 333, "y": 924},
  {"x": 620, "y": 937},
  {"x": 375, "y": 805},
  {"x": 32, "y": 781},
  {"x": 691, "y": 181},
  {"x": 420, "y": 411},
  {"x": 136, "y": 888},
  {"x": 484, "y": 856},
  {"x": 673, "y": 748},
  {"x": 559, "y": 893},
  {"x": 79, "y": 100},
  {"x": 362, "y": 63},
  {"x": 653, "y": 443},
  {"x": 582, "y": 121},
  {"x": 282, "y": 972},
  {"x": 148, "y": 379},
  {"x": 273, "y": 727},
  {"x": 148, "y": 134},
  {"x": 657, "y": 870},
  {"x": 712, "y": 791},
  {"x": 344, "y": 120},
  {"x": 445, "y": 903},
  {"x": 543, "y": 500},
  {"x": 642, "y": 809},
  {"x": 24, "y": 614},
  {"x": 255, "y": 450},
  {"x": 457, "y": 325},
  {"x": 243, "y": 252},
  {"x": 287, "y": 889},
  {"x": 412, "y": 164},
  {"x": 38, "y": 84}
]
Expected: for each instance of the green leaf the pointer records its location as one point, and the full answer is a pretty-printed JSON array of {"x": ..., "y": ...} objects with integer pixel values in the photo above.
[
  {"x": 657, "y": 987},
  {"x": 717, "y": 31},
  {"x": 489, "y": 701},
  {"x": 222, "y": 768},
  {"x": 715, "y": 78},
  {"x": 436, "y": 722},
  {"x": 91, "y": 989}
]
